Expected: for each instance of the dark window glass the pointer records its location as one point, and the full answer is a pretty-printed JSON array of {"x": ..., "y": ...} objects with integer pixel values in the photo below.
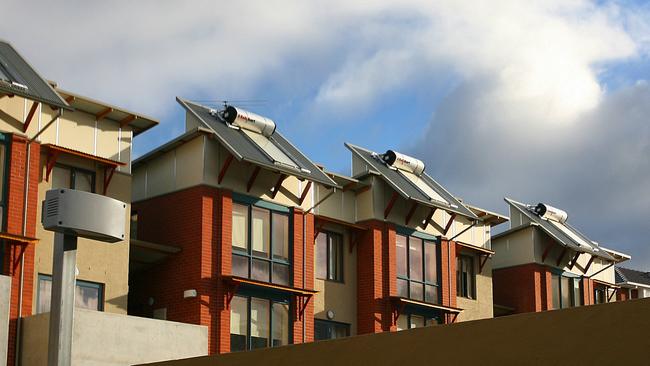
[
  {"x": 555, "y": 290},
  {"x": 324, "y": 329},
  {"x": 281, "y": 274},
  {"x": 415, "y": 259},
  {"x": 567, "y": 291},
  {"x": 465, "y": 278},
  {"x": 64, "y": 176},
  {"x": 3, "y": 179},
  {"x": 417, "y": 269},
  {"x": 329, "y": 256},
  {"x": 410, "y": 321},
  {"x": 260, "y": 270},
  {"x": 238, "y": 323},
  {"x": 88, "y": 295},
  {"x": 400, "y": 242},
  {"x": 258, "y": 323}
]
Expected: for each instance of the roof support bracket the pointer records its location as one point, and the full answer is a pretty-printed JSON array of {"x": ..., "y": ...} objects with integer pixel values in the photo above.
[
  {"x": 560, "y": 257},
  {"x": 126, "y": 120},
  {"x": 574, "y": 260},
  {"x": 409, "y": 215},
  {"x": 389, "y": 206},
  {"x": 547, "y": 249},
  {"x": 108, "y": 175},
  {"x": 609, "y": 298},
  {"x": 251, "y": 180},
  {"x": 361, "y": 190},
  {"x": 482, "y": 260},
  {"x": 591, "y": 260},
  {"x": 397, "y": 311},
  {"x": 303, "y": 301},
  {"x": 30, "y": 116},
  {"x": 224, "y": 168},
  {"x": 100, "y": 116},
  {"x": 427, "y": 220},
  {"x": 451, "y": 220},
  {"x": 278, "y": 184},
  {"x": 304, "y": 193},
  {"x": 354, "y": 241},
  {"x": 49, "y": 165}
]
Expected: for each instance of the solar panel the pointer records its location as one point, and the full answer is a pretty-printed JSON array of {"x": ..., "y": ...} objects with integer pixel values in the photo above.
[
  {"x": 273, "y": 151},
  {"x": 572, "y": 234},
  {"x": 423, "y": 186}
]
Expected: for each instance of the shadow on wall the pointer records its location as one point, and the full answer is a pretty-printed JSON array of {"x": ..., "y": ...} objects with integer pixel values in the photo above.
[{"x": 119, "y": 302}]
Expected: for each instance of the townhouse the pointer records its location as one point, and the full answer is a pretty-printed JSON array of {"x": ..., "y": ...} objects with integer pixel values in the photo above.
[
  {"x": 634, "y": 284},
  {"x": 544, "y": 263},
  {"x": 239, "y": 231},
  {"x": 52, "y": 138}
]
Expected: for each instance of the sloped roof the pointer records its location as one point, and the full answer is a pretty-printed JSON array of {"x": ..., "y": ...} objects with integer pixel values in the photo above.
[
  {"x": 583, "y": 245},
  {"x": 408, "y": 190},
  {"x": 624, "y": 275},
  {"x": 244, "y": 149},
  {"x": 18, "y": 77}
]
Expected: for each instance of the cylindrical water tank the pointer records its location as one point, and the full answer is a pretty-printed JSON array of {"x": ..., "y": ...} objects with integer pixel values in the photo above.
[
  {"x": 249, "y": 121},
  {"x": 403, "y": 162},
  {"x": 551, "y": 213}
]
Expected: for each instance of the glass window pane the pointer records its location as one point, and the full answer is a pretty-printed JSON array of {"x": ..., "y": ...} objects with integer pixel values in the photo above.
[
  {"x": 281, "y": 274},
  {"x": 240, "y": 265},
  {"x": 83, "y": 181},
  {"x": 238, "y": 323},
  {"x": 281, "y": 237},
  {"x": 565, "y": 288},
  {"x": 335, "y": 256},
  {"x": 577, "y": 294},
  {"x": 260, "y": 270},
  {"x": 239, "y": 227},
  {"x": 3, "y": 158},
  {"x": 260, "y": 232},
  {"x": 431, "y": 295},
  {"x": 403, "y": 322},
  {"x": 400, "y": 243},
  {"x": 340, "y": 331},
  {"x": 321, "y": 256},
  {"x": 431, "y": 262},
  {"x": 555, "y": 290},
  {"x": 87, "y": 297},
  {"x": 417, "y": 321},
  {"x": 280, "y": 324},
  {"x": 44, "y": 295},
  {"x": 260, "y": 311},
  {"x": 402, "y": 288},
  {"x": 431, "y": 321},
  {"x": 415, "y": 259},
  {"x": 417, "y": 291},
  {"x": 61, "y": 177}
]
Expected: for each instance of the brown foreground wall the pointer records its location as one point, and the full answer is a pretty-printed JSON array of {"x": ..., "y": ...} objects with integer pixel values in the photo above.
[{"x": 586, "y": 335}]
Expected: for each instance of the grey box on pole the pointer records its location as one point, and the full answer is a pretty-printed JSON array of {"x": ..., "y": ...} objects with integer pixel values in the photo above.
[{"x": 84, "y": 214}]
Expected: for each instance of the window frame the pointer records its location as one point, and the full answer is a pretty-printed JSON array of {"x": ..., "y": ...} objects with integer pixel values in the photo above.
[
  {"x": 5, "y": 141},
  {"x": 426, "y": 317},
  {"x": 271, "y": 301},
  {"x": 329, "y": 244},
  {"x": 461, "y": 290},
  {"x": 80, "y": 283},
  {"x": 73, "y": 175},
  {"x": 424, "y": 281},
  {"x": 347, "y": 327},
  {"x": 270, "y": 260},
  {"x": 572, "y": 299}
]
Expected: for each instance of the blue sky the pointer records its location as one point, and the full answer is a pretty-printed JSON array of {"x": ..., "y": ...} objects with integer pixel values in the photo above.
[{"x": 537, "y": 100}]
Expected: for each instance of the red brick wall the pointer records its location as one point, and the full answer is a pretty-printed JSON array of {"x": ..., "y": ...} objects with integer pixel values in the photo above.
[
  {"x": 525, "y": 288},
  {"x": 371, "y": 299},
  {"x": 14, "y": 217},
  {"x": 298, "y": 275},
  {"x": 448, "y": 277},
  {"x": 622, "y": 294},
  {"x": 222, "y": 224},
  {"x": 587, "y": 291}
]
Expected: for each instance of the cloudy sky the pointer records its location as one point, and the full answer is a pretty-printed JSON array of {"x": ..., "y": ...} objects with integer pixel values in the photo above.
[{"x": 539, "y": 101}]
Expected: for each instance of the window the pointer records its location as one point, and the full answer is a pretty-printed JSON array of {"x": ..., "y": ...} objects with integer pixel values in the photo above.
[
  {"x": 600, "y": 295},
  {"x": 410, "y": 321},
  {"x": 134, "y": 225},
  {"x": 465, "y": 278},
  {"x": 88, "y": 295},
  {"x": 417, "y": 269},
  {"x": 260, "y": 244},
  {"x": 566, "y": 291},
  {"x": 69, "y": 177},
  {"x": 258, "y": 323},
  {"x": 4, "y": 157},
  {"x": 329, "y": 256},
  {"x": 325, "y": 329}
]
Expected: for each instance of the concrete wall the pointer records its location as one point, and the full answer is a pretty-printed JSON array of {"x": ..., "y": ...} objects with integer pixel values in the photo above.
[
  {"x": 112, "y": 340},
  {"x": 5, "y": 291},
  {"x": 514, "y": 249},
  {"x": 482, "y": 306}
]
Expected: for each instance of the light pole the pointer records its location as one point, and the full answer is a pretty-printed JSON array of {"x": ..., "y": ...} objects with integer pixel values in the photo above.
[{"x": 72, "y": 214}]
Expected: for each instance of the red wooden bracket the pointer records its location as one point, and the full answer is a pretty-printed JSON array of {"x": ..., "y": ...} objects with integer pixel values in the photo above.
[
  {"x": 303, "y": 301},
  {"x": 231, "y": 293},
  {"x": 126, "y": 120},
  {"x": 317, "y": 230},
  {"x": 451, "y": 220},
  {"x": 574, "y": 260},
  {"x": 99, "y": 116},
  {"x": 547, "y": 249},
  {"x": 224, "y": 168},
  {"x": 353, "y": 241},
  {"x": 348, "y": 186},
  {"x": 278, "y": 184},
  {"x": 108, "y": 175},
  {"x": 304, "y": 193},
  {"x": 559, "y": 259},
  {"x": 397, "y": 311},
  {"x": 482, "y": 263},
  {"x": 609, "y": 298},
  {"x": 390, "y": 205},
  {"x": 361, "y": 190},
  {"x": 70, "y": 99},
  {"x": 429, "y": 217},
  {"x": 453, "y": 320},
  {"x": 30, "y": 116},
  {"x": 591, "y": 260},
  {"x": 51, "y": 160},
  {"x": 251, "y": 180},
  {"x": 409, "y": 215}
]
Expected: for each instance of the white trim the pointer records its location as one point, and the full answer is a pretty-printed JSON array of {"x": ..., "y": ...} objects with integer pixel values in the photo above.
[
  {"x": 119, "y": 146},
  {"x": 95, "y": 138},
  {"x": 40, "y": 117}
]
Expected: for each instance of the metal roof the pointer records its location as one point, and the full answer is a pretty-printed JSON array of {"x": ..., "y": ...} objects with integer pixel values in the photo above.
[
  {"x": 561, "y": 237},
  {"x": 18, "y": 77},
  {"x": 243, "y": 149},
  {"x": 624, "y": 275},
  {"x": 406, "y": 189}
]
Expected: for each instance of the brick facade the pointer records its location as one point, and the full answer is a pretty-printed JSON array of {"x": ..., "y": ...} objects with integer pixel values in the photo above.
[
  {"x": 13, "y": 251},
  {"x": 199, "y": 221},
  {"x": 525, "y": 288}
]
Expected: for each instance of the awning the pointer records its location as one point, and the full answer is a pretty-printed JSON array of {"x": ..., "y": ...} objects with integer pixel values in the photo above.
[
  {"x": 475, "y": 248},
  {"x": 332, "y": 220},
  {"x": 402, "y": 301},
  {"x": 144, "y": 255},
  {"x": 18, "y": 238}
]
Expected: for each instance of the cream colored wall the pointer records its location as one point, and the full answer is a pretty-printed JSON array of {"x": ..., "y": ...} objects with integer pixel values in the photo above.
[
  {"x": 514, "y": 249},
  {"x": 97, "y": 262},
  {"x": 482, "y": 306},
  {"x": 341, "y": 298},
  {"x": 339, "y": 205}
]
